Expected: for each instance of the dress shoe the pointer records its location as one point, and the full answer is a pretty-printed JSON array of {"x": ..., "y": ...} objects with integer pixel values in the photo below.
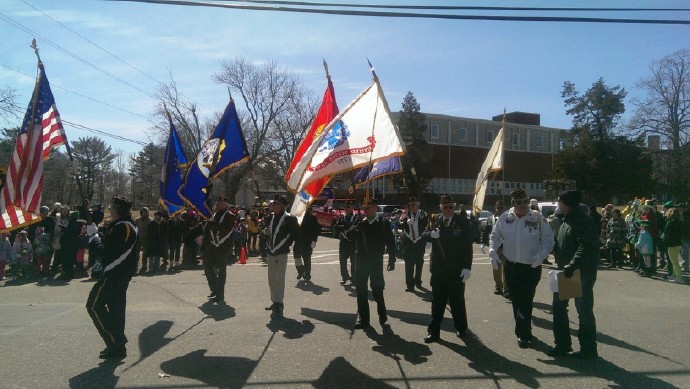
[
  {"x": 418, "y": 285},
  {"x": 431, "y": 338},
  {"x": 343, "y": 282},
  {"x": 524, "y": 343},
  {"x": 270, "y": 307},
  {"x": 498, "y": 291},
  {"x": 219, "y": 299},
  {"x": 585, "y": 354},
  {"x": 211, "y": 296},
  {"x": 559, "y": 351},
  {"x": 409, "y": 289},
  {"x": 361, "y": 325},
  {"x": 460, "y": 334},
  {"x": 113, "y": 353}
]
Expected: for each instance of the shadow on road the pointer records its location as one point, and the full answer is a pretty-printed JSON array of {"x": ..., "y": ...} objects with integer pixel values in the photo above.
[
  {"x": 102, "y": 376},
  {"x": 291, "y": 328},
  {"x": 392, "y": 345},
  {"x": 332, "y": 377},
  {"x": 311, "y": 287},
  {"x": 218, "y": 312},
  {"x": 223, "y": 372},
  {"x": 345, "y": 321},
  {"x": 490, "y": 364}
]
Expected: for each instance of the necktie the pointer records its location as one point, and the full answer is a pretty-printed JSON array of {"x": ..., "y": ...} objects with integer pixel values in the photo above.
[{"x": 446, "y": 221}]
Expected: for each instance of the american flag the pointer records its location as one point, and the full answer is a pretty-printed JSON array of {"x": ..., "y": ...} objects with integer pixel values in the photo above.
[{"x": 40, "y": 132}]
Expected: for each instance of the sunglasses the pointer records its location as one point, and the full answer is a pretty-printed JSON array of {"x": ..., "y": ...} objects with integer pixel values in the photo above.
[{"x": 448, "y": 206}]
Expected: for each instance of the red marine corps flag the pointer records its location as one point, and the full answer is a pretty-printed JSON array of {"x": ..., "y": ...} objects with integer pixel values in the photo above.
[{"x": 40, "y": 132}]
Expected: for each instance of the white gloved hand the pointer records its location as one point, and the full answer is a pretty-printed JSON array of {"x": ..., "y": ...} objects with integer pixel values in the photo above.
[
  {"x": 495, "y": 260},
  {"x": 465, "y": 275},
  {"x": 410, "y": 221},
  {"x": 435, "y": 234},
  {"x": 198, "y": 240},
  {"x": 91, "y": 229},
  {"x": 536, "y": 261},
  {"x": 313, "y": 244}
]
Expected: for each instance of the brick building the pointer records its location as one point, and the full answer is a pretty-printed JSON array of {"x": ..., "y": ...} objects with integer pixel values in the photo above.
[{"x": 460, "y": 145}]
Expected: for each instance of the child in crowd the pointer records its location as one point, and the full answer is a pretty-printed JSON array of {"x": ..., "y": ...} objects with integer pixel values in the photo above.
[
  {"x": 645, "y": 246},
  {"x": 6, "y": 253},
  {"x": 42, "y": 248},
  {"x": 23, "y": 254}
]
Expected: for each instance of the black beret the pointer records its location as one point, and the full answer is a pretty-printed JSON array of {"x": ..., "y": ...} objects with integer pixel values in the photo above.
[
  {"x": 223, "y": 199},
  {"x": 121, "y": 201},
  {"x": 571, "y": 198},
  {"x": 447, "y": 199},
  {"x": 281, "y": 199}
]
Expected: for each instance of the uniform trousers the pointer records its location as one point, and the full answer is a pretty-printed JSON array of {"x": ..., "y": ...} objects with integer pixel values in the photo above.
[
  {"x": 414, "y": 262},
  {"x": 522, "y": 280},
  {"x": 277, "y": 264},
  {"x": 306, "y": 258},
  {"x": 106, "y": 305},
  {"x": 370, "y": 270},
  {"x": 215, "y": 269},
  {"x": 587, "y": 333},
  {"x": 346, "y": 250},
  {"x": 447, "y": 291}
]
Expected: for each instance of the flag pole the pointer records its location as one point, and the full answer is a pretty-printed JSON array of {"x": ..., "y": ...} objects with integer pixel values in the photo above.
[{"x": 67, "y": 146}]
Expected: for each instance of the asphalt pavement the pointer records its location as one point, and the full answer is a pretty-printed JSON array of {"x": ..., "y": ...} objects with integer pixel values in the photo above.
[{"x": 178, "y": 339}]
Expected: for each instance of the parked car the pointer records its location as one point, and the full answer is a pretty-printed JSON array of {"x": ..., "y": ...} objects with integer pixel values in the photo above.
[
  {"x": 483, "y": 215},
  {"x": 327, "y": 212}
]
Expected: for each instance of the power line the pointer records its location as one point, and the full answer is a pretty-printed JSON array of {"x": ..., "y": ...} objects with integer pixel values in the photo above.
[
  {"x": 414, "y": 15},
  {"x": 94, "y": 44},
  {"x": 452, "y": 7},
  {"x": 119, "y": 137},
  {"x": 78, "y": 94},
  {"x": 55, "y": 45}
]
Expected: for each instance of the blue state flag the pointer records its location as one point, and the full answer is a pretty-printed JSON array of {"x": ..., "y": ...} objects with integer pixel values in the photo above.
[
  {"x": 226, "y": 147},
  {"x": 172, "y": 173},
  {"x": 378, "y": 169}
]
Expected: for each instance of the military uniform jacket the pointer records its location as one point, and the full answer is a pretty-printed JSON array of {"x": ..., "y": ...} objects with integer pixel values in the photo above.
[
  {"x": 412, "y": 233},
  {"x": 119, "y": 255},
  {"x": 217, "y": 234},
  {"x": 452, "y": 251},
  {"x": 281, "y": 232},
  {"x": 372, "y": 239},
  {"x": 344, "y": 223},
  {"x": 310, "y": 228}
]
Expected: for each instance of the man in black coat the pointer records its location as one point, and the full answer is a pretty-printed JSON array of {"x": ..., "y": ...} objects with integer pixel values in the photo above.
[
  {"x": 310, "y": 229},
  {"x": 346, "y": 247},
  {"x": 413, "y": 246},
  {"x": 107, "y": 301},
  {"x": 281, "y": 231},
  {"x": 451, "y": 265},
  {"x": 216, "y": 247},
  {"x": 373, "y": 237}
]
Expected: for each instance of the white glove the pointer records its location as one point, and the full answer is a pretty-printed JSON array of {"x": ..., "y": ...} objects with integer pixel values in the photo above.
[
  {"x": 435, "y": 234},
  {"x": 495, "y": 260},
  {"x": 313, "y": 244},
  {"x": 536, "y": 261},
  {"x": 91, "y": 229},
  {"x": 199, "y": 239},
  {"x": 410, "y": 221},
  {"x": 465, "y": 275}
]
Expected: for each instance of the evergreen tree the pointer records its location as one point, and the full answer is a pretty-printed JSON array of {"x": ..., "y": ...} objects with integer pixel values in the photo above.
[{"x": 412, "y": 126}]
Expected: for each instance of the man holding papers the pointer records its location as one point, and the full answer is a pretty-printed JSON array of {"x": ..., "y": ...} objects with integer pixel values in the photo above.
[{"x": 577, "y": 247}]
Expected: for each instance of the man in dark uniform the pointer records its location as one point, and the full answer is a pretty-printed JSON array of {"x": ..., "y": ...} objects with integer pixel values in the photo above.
[
  {"x": 281, "y": 231},
  {"x": 310, "y": 229},
  {"x": 373, "y": 236},
  {"x": 413, "y": 246},
  {"x": 107, "y": 301},
  {"x": 451, "y": 265},
  {"x": 577, "y": 247},
  {"x": 217, "y": 245},
  {"x": 346, "y": 247}
]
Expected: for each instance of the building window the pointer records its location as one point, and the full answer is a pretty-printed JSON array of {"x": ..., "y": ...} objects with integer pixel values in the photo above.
[
  {"x": 434, "y": 132},
  {"x": 462, "y": 134},
  {"x": 516, "y": 137},
  {"x": 489, "y": 136},
  {"x": 540, "y": 140}
]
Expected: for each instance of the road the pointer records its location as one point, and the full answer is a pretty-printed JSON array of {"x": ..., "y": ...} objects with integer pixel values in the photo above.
[{"x": 179, "y": 340}]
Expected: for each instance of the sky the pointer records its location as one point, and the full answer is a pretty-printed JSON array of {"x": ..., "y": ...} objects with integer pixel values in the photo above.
[{"x": 106, "y": 59}]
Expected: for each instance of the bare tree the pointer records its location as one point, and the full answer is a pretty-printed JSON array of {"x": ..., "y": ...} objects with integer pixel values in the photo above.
[
  {"x": 665, "y": 111},
  {"x": 277, "y": 110},
  {"x": 8, "y": 106}
]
